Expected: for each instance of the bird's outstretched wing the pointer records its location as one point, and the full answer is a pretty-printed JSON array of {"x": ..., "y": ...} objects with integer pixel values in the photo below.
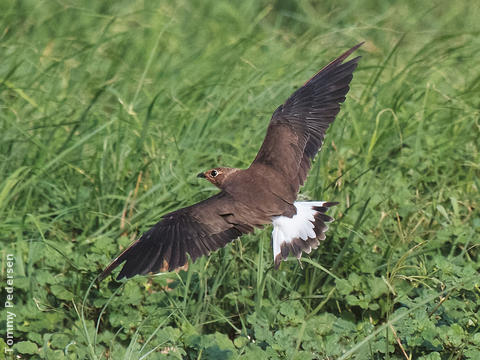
[
  {"x": 195, "y": 230},
  {"x": 297, "y": 128}
]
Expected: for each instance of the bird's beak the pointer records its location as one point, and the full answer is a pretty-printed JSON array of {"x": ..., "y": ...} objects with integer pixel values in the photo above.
[{"x": 201, "y": 175}]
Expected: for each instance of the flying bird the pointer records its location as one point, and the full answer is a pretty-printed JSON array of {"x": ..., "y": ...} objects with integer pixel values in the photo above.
[{"x": 265, "y": 193}]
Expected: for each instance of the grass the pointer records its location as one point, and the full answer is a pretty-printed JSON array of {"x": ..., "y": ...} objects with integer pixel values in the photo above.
[{"x": 109, "y": 109}]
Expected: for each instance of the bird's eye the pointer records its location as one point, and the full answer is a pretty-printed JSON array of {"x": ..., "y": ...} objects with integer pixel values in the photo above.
[{"x": 214, "y": 173}]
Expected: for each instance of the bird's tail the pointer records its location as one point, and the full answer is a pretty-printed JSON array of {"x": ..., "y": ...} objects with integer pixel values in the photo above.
[{"x": 301, "y": 232}]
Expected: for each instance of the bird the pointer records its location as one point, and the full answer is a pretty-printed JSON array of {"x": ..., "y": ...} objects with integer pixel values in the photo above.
[{"x": 262, "y": 194}]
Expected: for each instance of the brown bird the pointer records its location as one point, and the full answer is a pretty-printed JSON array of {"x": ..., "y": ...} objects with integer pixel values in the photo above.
[{"x": 265, "y": 193}]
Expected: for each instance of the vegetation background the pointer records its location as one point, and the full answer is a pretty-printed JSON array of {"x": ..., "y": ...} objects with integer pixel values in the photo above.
[{"x": 108, "y": 109}]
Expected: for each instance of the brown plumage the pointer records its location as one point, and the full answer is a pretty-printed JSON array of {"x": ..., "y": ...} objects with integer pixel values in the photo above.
[{"x": 264, "y": 193}]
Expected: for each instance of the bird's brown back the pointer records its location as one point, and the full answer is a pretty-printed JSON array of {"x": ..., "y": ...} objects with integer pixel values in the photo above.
[{"x": 263, "y": 191}]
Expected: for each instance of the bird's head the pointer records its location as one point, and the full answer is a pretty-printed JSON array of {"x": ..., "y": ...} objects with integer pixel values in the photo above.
[{"x": 218, "y": 176}]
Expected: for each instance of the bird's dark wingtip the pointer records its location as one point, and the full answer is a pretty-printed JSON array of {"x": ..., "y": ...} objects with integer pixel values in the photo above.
[
  {"x": 337, "y": 61},
  {"x": 115, "y": 263},
  {"x": 108, "y": 270},
  {"x": 357, "y": 46},
  {"x": 346, "y": 54},
  {"x": 349, "y": 51}
]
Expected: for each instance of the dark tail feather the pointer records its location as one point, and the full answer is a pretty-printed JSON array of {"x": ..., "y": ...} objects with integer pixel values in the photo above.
[{"x": 298, "y": 245}]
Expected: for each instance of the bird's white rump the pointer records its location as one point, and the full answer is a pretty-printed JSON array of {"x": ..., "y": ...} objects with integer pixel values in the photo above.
[{"x": 300, "y": 232}]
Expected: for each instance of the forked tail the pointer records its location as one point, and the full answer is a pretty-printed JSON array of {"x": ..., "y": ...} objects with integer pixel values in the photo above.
[{"x": 301, "y": 232}]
